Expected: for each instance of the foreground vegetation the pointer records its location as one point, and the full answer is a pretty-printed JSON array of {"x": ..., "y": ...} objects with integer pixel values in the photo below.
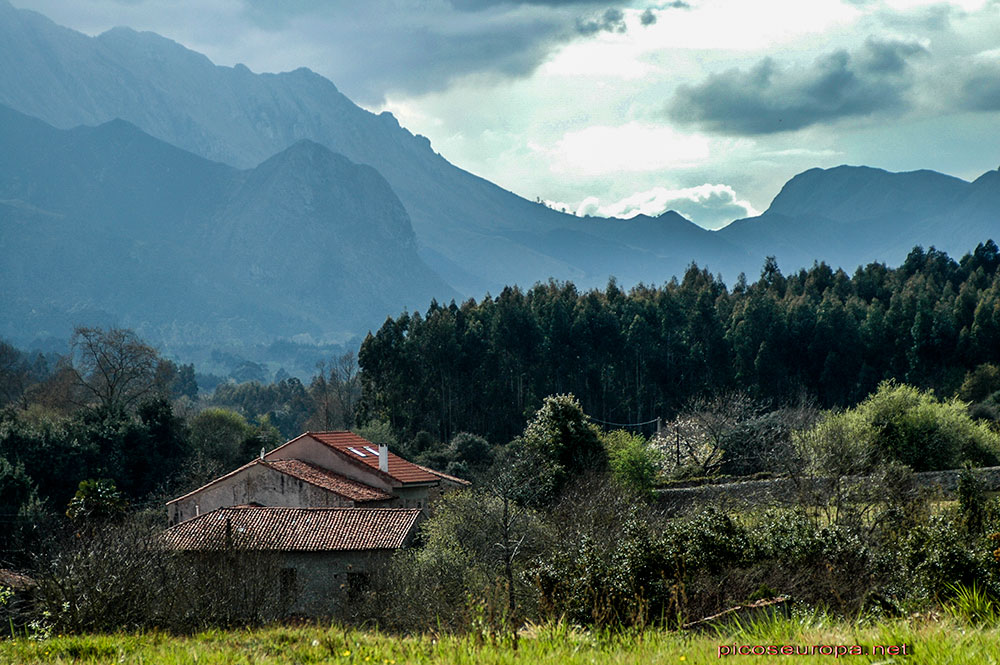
[{"x": 928, "y": 641}]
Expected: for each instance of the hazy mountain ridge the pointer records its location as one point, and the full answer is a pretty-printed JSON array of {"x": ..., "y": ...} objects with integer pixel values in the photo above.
[
  {"x": 852, "y": 215},
  {"x": 477, "y": 235},
  {"x": 148, "y": 197},
  {"x": 111, "y": 224}
]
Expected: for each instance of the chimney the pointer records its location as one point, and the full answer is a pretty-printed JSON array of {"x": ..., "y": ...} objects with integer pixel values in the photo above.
[{"x": 383, "y": 458}]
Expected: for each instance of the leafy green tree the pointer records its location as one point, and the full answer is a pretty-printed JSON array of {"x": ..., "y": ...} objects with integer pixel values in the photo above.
[
  {"x": 980, "y": 383},
  {"x": 14, "y": 374},
  {"x": 96, "y": 501},
  {"x": 217, "y": 440},
  {"x": 900, "y": 423},
  {"x": 470, "y": 450},
  {"x": 380, "y": 433},
  {"x": 185, "y": 384},
  {"x": 560, "y": 435},
  {"x": 634, "y": 461},
  {"x": 630, "y": 356}
]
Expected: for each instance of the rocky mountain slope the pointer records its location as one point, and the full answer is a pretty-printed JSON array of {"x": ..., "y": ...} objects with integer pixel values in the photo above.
[{"x": 108, "y": 224}]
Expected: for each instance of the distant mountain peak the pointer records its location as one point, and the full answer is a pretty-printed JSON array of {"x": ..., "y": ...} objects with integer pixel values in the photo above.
[{"x": 852, "y": 193}]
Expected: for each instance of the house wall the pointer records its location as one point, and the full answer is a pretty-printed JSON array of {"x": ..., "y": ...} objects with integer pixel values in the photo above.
[
  {"x": 414, "y": 497},
  {"x": 258, "y": 484},
  {"x": 325, "y": 581}
]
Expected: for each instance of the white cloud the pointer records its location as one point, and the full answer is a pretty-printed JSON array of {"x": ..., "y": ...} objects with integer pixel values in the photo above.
[
  {"x": 629, "y": 148},
  {"x": 710, "y": 206}
]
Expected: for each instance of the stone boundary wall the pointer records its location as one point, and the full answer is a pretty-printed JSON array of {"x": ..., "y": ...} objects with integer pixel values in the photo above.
[{"x": 778, "y": 491}]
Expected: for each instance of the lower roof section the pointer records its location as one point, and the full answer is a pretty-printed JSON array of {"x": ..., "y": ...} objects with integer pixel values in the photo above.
[{"x": 281, "y": 529}]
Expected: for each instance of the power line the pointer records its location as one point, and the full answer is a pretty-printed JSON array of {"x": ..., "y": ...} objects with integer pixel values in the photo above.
[{"x": 604, "y": 422}]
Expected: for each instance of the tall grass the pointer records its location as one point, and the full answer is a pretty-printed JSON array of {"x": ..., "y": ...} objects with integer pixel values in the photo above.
[
  {"x": 928, "y": 641},
  {"x": 973, "y": 605}
]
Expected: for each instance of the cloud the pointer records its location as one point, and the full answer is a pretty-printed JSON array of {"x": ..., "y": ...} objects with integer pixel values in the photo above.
[
  {"x": 478, "y": 5},
  {"x": 769, "y": 98},
  {"x": 612, "y": 20},
  {"x": 634, "y": 147},
  {"x": 708, "y": 205},
  {"x": 648, "y": 17},
  {"x": 980, "y": 87},
  {"x": 368, "y": 49}
]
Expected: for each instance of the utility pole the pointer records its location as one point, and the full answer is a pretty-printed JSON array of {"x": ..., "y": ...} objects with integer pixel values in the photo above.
[{"x": 677, "y": 444}]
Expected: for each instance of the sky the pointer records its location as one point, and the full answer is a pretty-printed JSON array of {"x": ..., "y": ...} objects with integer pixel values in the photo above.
[{"x": 706, "y": 107}]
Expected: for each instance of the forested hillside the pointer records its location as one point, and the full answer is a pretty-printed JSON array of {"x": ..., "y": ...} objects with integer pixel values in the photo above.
[{"x": 630, "y": 356}]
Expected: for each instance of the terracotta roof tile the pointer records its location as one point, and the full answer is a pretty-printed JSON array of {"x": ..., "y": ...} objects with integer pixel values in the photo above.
[
  {"x": 310, "y": 473},
  {"x": 295, "y": 529},
  {"x": 441, "y": 474},
  {"x": 399, "y": 468},
  {"x": 15, "y": 580},
  {"x": 329, "y": 480}
]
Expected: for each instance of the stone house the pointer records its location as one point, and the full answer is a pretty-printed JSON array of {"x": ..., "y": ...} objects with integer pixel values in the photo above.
[
  {"x": 317, "y": 470},
  {"x": 319, "y": 556},
  {"x": 331, "y": 506}
]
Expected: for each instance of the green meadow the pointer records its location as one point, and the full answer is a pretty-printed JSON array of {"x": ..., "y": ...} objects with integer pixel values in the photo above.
[{"x": 929, "y": 640}]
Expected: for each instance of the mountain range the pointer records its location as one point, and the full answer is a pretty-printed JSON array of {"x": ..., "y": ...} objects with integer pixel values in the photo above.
[
  {"x": 109, "y": 224},
  {"x": 143, "y": 184}
]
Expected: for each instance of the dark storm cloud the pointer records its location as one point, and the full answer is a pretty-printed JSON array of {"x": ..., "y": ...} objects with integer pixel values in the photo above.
[
  {"x": 375, "y": 48},
  {"x": 769, "y": 98},
  {"x": 476, "y": 5},
  {"x": 888, "y": 57},
  {"x": 382, "y": 47},
  {"x": 980, "y": 91},
  {"x": 612, "y": 20}
]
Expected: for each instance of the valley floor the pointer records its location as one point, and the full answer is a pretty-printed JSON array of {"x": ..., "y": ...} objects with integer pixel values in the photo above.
[{"x": 926, "y": 641}]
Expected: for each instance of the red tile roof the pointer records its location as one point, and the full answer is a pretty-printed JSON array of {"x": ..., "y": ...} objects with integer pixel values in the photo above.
[
  {"x": 312, "y": 474},
  {"x": 295, "y": 529},
  {"x": 399, "y": 469},
  {"x": 15, "y": 580},
  {"x": 328, "y": 480},
  {"x": 454, "y": 479}
]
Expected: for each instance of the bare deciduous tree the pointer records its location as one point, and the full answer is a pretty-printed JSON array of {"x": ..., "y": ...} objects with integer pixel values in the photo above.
[
  {"x": 733, "y": 433},
  {"x": 336, "y": 391},
  {"x": 14, "y": 373},
  {"x": 113, "y": 367}
]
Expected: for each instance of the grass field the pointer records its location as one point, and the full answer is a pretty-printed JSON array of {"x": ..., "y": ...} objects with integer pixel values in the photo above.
[{"x": 927, "y": 641}]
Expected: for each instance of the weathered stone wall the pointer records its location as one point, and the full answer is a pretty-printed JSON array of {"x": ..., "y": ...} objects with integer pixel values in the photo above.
[
  {"x": 325, "y": 580},
  {"x": 785, "y": 490}
]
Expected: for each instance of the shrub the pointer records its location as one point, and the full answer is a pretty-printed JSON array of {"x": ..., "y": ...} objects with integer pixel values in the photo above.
[
  {"x": 634, "y": 461},
  {"x": 980, "y": 383},
  {"x": 123, "y": 578},
  {"x": 900, "y": 423}
]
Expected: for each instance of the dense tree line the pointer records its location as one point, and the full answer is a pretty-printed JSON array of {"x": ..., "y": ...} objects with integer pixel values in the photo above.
[{"x": 631, "y": 356}]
